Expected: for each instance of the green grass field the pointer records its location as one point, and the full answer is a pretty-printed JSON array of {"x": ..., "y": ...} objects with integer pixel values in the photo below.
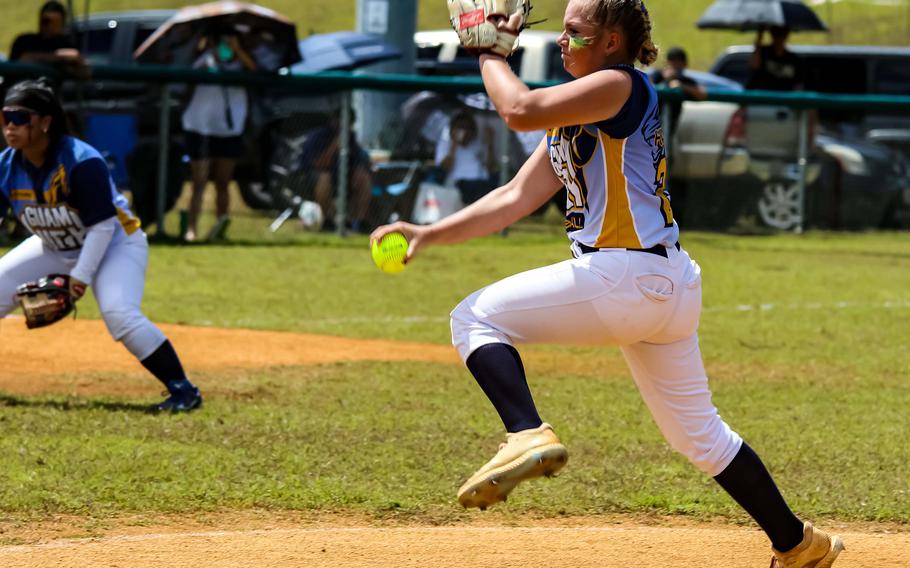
[
  {"x": 805, "y": 339},
  {"x": 851, "y": 22}
]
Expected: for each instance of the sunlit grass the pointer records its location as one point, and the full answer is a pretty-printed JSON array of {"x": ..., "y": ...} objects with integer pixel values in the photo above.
[{"x": 804, "y": 338}]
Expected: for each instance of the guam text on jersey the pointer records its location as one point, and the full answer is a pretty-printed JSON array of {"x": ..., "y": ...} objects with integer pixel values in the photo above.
[{"x": 71, "y": 191}]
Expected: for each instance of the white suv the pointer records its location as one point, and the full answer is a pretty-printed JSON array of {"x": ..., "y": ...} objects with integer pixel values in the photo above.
[{"x": 536, "y": 59}]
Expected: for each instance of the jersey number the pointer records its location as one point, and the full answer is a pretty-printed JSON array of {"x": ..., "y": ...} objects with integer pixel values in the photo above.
[{"x": 660, "y": 184}]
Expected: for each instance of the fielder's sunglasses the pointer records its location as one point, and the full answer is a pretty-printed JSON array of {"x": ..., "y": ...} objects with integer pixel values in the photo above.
[{"x": 17, "y": 117}]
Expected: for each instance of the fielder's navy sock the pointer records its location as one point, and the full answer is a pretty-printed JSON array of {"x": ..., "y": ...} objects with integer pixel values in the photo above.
[
  {"x": 498, "y": 370},
  {"x": 166, "y": 367},
  {"x": 750, "y": 484}
]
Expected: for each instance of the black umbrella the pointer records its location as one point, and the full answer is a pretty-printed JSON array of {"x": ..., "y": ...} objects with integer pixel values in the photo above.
[
  {"x": 268, "y": 29},
  {"x": 746, "y": 15}
]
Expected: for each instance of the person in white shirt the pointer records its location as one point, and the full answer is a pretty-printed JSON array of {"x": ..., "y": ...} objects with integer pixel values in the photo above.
[
  {"x": 213, "y": 122},
  {"x": 467, "y": 158}
]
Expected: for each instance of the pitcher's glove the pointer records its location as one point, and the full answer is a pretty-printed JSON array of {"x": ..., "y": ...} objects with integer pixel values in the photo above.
[
  {"x": 489, "y": 26},
  {"x": 45, "y": 301}
]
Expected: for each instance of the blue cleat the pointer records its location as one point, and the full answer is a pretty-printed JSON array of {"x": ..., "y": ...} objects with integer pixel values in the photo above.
[{"x": 183, "y": 398}]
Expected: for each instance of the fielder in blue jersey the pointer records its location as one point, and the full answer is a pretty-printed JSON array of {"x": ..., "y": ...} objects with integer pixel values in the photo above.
[{"x": 60, "y": 188}]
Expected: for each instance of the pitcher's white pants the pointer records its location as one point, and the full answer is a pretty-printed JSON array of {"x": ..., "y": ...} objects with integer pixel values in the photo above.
[
  {"x": 646, "y": 304},
  {"x": 118, "y": 286}
]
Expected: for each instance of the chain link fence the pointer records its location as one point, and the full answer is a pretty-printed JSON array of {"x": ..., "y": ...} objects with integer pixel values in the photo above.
[{"x": 739, "y": 161}]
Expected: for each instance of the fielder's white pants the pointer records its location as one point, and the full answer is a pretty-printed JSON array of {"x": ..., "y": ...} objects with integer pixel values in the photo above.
[
  {"x": 646, "y": 304},
  {"x": 118, "y": 287}
]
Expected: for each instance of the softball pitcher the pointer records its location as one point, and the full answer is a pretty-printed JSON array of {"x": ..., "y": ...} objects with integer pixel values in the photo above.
[
  {"x": 60, "y": 188},
  {"x": 629, "y": 284}
]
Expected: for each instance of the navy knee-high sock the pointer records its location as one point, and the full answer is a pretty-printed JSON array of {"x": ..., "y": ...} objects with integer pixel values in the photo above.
[
  {"x": 498, "y": 370},
  {"x": 165, "y": 365},
  {"x": 750, "y": 485}
]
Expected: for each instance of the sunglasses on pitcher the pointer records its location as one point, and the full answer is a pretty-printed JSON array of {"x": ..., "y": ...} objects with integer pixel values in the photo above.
[{"x": 17, "y": 117}]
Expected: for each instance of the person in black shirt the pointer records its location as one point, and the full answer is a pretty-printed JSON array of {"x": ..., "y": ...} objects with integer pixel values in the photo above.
[
  {"x": 774, "y": 67},
  {"x": 674, "y": 76},
  {"x": 50, "y": 45}
]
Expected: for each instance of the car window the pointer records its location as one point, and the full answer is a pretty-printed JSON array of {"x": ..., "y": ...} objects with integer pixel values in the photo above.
[
  {"x": 734, "y": 67},
  {"x": 555, "y": 69},
  {"x": 142, "y": 34},
  {"x": 832, "y": 74},
  {"x": 428, "y": 52},
  {"x": 426, "y": 61},
  {"x": 469, "y": 61},
  {"x": 836, "y": 75},
  {"x": 892, "y": 77},
  {"x": 96, "y": 44},
  {"x": 463, "y": 64},
  {"x": 462, "y": 54}
]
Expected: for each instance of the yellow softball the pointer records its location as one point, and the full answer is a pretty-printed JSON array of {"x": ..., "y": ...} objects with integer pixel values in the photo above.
[{"x": 389, "y": 253}]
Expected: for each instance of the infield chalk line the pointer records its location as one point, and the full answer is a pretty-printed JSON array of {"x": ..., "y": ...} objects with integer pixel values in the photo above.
[
  {"x": 763, "y": 307},
  {"x": 810, "y": 306},
  {"x": 353, "y": 530},
  {"x": 69, "y": 543}
]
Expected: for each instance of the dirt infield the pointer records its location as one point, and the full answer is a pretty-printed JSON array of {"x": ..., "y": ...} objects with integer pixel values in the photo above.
[
  {"x": 283, "y": 539},
  {"x": 200, "y": 348},
  {"x": 84, "y": 347},
  {"x": 249, "y": 540}
]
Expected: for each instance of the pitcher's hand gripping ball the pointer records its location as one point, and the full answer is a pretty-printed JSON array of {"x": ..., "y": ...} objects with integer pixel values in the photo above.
[{"x": 389, "y": 253}]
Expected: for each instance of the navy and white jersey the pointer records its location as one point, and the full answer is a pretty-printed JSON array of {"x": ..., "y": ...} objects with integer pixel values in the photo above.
[
  {"x": 615, "y": 175},
  {"x": 72, "y": 191}
]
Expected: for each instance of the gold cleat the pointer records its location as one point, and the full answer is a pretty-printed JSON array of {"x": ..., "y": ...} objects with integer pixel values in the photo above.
[
  {"x": 817, "y": 550},
  {"x": 524, "y": 455}
]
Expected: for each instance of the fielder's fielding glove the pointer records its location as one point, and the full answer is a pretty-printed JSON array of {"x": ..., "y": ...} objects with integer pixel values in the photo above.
[
  {"x": 45, "y": 301},
  {"x": 475, "y": 22}
]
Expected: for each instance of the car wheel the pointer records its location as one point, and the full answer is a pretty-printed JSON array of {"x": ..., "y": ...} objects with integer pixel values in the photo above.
[{"x": 779, "y": 205}]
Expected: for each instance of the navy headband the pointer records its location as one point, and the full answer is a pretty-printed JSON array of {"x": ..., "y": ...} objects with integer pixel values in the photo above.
[{"x": 41, "y": 101}]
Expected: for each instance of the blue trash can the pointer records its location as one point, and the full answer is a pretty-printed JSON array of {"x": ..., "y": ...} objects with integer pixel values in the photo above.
[{"x": 115, "y": 136}]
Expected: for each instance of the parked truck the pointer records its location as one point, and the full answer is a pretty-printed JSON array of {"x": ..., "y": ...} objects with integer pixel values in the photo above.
[{"x": 857, "y": 175}]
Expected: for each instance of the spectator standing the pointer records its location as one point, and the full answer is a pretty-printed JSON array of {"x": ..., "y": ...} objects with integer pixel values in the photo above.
[
  {"x": 774, "y": 67},
  {"x": 319, "y": 160},
  {"x": 673, "y": 75},
  {"x": 50, "y": 45},
  {"x": 467, "y": 159},
  {"x": 214, "y": 122}
]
